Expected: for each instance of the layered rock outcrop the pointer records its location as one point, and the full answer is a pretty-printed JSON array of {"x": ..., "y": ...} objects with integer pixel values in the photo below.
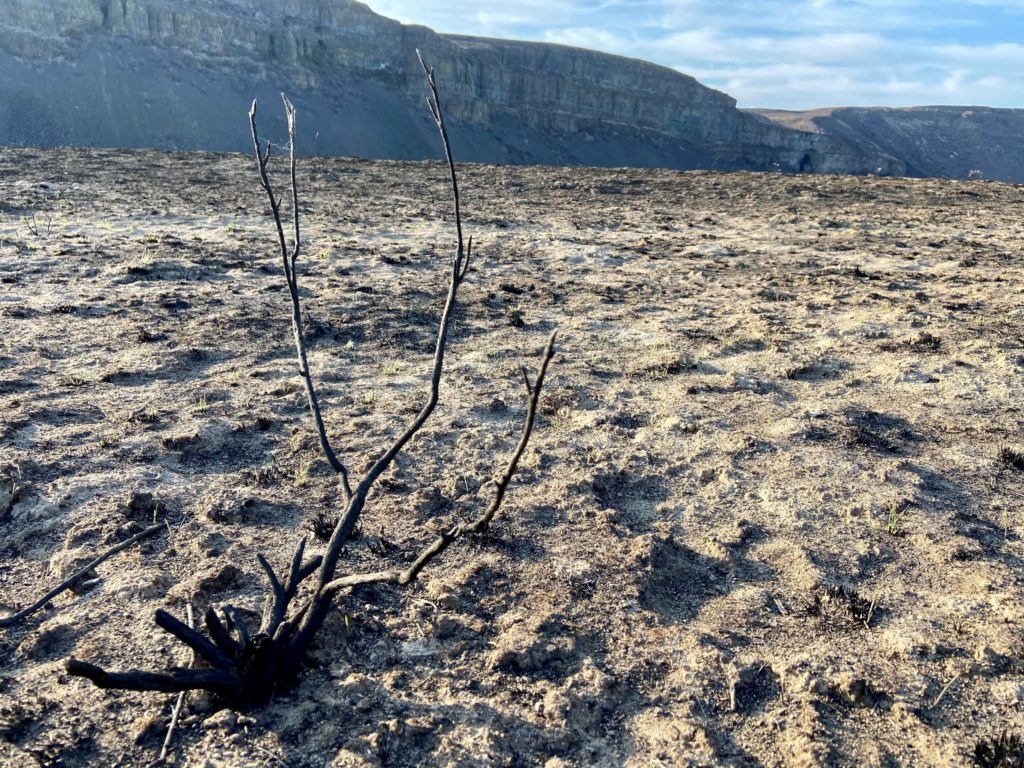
[{"x": 180, "y": 74}]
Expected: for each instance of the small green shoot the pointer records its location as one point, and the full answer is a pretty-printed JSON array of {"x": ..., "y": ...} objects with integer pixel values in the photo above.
[
  {"x": 894, "y": 518},
  {"x": 303, "y": 472}
]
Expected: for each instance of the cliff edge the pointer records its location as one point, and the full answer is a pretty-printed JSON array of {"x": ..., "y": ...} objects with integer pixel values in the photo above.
[{"x": 179, "y": 74}]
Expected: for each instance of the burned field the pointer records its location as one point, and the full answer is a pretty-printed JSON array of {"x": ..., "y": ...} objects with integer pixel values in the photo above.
[{"x": 770, "y": 513}]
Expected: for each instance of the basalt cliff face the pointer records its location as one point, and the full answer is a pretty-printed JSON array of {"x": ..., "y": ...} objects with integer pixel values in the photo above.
[{"x": 180, "y": 74}]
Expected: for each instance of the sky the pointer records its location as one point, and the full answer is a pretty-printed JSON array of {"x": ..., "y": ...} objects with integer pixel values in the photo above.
[{"x": 795, "y": 54}]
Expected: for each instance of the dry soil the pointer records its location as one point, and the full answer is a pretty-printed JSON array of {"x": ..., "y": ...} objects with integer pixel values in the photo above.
[{"x": 771, "y": 514}]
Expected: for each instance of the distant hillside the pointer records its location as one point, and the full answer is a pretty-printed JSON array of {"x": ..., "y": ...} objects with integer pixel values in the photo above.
[
  {"x": 948, "y": 142},
  {"x": 180, "y": 74}
]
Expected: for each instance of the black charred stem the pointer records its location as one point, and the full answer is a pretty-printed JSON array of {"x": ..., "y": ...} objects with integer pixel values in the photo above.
[{"x": 247, "y": 669}]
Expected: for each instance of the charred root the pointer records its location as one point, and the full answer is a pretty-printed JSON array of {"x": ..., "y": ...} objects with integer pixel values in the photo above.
[{"x": 243, "y": 668}]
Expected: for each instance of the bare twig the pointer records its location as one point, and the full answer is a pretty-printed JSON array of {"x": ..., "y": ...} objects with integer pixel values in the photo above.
[
  {"x": 283, "y": 593},
  {"x": 176, "y": 713},
  {"x": 434, "y": 102},
  {"x": 288, "y": 261},
  {"x": 945, "y": 690},
  {"x": 526, "y": 379},
  {"x": 69, "y": 582},
  {"x": 469, "y": 255},
  {"x": 357, "y": 502},
  {"x": 871, "y": 614}
]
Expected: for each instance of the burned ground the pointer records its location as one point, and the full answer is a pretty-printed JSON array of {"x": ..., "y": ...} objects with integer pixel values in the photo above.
[{"x": 770, "y": 515}]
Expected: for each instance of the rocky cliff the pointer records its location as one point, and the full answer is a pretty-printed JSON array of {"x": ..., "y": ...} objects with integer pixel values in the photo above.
[
  {"x": 950, "y": 142},
  {"x": 181, "y": 73}
]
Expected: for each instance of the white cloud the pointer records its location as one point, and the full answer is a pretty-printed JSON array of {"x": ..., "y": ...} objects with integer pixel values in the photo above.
[{"x": 589, "y": 37}]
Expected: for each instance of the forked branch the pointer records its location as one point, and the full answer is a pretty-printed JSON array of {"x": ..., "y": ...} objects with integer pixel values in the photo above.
[
  {"x": 247, "y": 669},
  {"x": 439, "y": 545},
  {"x": 459, "y": 266}
]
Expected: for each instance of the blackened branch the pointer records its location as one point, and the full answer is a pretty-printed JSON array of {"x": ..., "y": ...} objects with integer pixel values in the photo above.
[
  {"x": 248, "y": 670},
  {"x": 288, "y": 260},
  {"x": 74, "y": 578}
]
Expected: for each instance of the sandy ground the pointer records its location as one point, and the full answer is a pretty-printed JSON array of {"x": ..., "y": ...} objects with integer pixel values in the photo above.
[{"x": 771, "y": 514}]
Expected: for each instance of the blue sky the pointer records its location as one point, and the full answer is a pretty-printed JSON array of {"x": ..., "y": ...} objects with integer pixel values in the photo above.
[{"x": 773, "y": 53}]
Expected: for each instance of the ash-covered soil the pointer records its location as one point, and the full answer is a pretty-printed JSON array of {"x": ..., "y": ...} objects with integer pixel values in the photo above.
[{"x": 771, "y": 513}]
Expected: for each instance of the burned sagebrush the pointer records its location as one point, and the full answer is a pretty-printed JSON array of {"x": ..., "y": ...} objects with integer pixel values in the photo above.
[
  {"x": 321, "y": 524},
  {"x": 1011, "y": 458},
  {"x": 1005, "y": 751},
  {"x": 248, "y": 666},
  {"x": 837, "y": 606}
]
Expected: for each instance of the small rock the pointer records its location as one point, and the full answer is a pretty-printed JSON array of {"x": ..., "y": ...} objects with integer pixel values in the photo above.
[
  {"x": 225, "y": 720},
  {"x": 147, "y": 728}
]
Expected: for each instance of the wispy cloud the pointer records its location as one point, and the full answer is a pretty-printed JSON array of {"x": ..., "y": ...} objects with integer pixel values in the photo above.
[{"x": 773, "y": 53}]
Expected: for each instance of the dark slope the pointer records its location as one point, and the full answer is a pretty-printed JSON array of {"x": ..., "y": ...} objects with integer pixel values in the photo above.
[
  {"x": 945, "y": 142},
  {"x": 157, "y": 73}
]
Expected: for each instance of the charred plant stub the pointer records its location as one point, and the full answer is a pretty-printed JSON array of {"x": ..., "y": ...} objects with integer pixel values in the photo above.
[{"x": 247, "y": 666}]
